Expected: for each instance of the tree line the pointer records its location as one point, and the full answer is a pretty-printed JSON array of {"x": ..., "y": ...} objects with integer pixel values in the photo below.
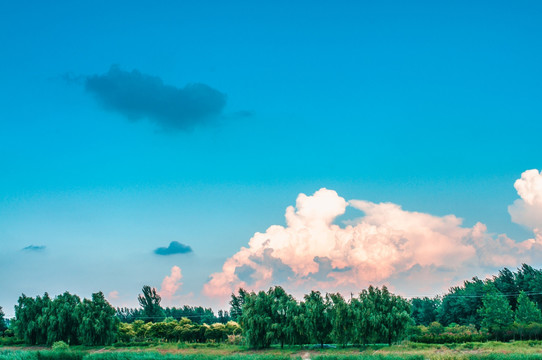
[
  {"x": 374, "y": 316},
  {"x": 506, "y": 306},
  {"x": 503, "y": 307},
  {"x": 43, "y": 320},
  {"x": 151, "y": 310},
  {"x": 179, "y": 330}
]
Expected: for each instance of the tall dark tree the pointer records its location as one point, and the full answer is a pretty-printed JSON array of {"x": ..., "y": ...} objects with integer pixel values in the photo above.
[
  {"x": 236, "y": 303},
  {"x": 379, "y": 316},
  {"x": 342, "y": 319},
  {"x": 281, "y": 305},
  {"x": 506, "y": 284},
  {"x": 97, "y": 321},
  {"x": 150, "y": 302},
  {"x": 424, "y": 311},
  {"x": 496, "y": 312},
  {"x": 256, "y": 320},
  {"x": 62, "y": 323},
  {"x": 296, "y": 330},
  {"x": 3, "y": 326},
  {"x": 529, "y": 280},
  {"x": 527, "y": 312},
  {"x": 461, "y": 304},
  {"x": 396, "y": 316},
  {"x": 31, "y": 319},
  {"x": 367, "y": 320},
  {"x": 318, "y": 319}
]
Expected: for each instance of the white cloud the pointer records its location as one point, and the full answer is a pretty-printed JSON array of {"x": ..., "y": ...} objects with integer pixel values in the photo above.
[
  {"x": 387, "y": 245},
  {"x": 171, "y": 284},
  {"x": 527, "y": 211}
]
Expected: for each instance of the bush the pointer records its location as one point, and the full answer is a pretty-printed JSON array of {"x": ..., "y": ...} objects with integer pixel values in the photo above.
[{"x": 60, "y": 346}]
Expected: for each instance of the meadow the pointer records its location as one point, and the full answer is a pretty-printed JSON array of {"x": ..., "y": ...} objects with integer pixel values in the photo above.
[{"x": 518, "y": 350}]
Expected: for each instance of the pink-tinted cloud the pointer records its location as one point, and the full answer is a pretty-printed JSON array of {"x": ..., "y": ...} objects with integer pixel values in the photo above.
[
  {"x": 171, "y": 284},
  {"x": 387, "y": 245},
  {"x": 113, "y": 295},
  {"x": 527, "y": 211}
]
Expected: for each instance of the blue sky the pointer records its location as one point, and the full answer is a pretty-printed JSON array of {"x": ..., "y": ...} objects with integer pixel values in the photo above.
[{"x": 432, "y": 106}]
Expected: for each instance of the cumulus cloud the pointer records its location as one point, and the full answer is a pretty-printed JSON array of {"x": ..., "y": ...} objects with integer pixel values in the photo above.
[
  {"x": 386, "y": 245},
  {"x": 174, "y": 247},
  {"x": 527, "y": 210},
  {"x": 34, "y": 248},
  {"x": 171, "y": 283},
  {"x": 136, "y": 95},
  {"x": 113, "y": 295}
]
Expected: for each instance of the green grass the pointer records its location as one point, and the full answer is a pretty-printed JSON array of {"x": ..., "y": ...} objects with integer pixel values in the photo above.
[{"x": 519, "y": 350}]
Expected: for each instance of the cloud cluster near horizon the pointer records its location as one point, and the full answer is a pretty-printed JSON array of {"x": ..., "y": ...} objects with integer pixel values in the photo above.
[
  {"x": 136, "y": 95},
  {"x": 387, "y": 245},
  {"x": 171, "y": 283},
  {"x": 174, "y": 247},
  {"x": 527, "y": 210}
]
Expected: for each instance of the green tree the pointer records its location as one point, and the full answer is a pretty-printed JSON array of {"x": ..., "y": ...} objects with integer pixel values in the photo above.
[
  {"x": 496, "y": 312},
  {"x": 216, "y": 332},
  {"x": 31, "y": 319},
  {"x": 342, "y": 319},
  {"x": 396, "y": 316},
  {"x": 126, "y": 332},
  {"x": 236, "y": 303},
  {"x": 317, "y": 317},
  {"x": 527, "y": 311},
  {"x": 296, "y": 330},
  {"x": 424, "y": 310},
  {"x": 379, "y": 316},
  {"x": 461, "y": 304},
  {"x": 62, "y": 322},
  {"x": 256, "y": 320},
  {"x": 150, "y": 302},
  {"x": 281, "y": 304},
  {"x": 506, "y": 284},
  {"x": 3, "y": 326},
  {"x": 97, "y": 321},
  {"x": 529, "y": 280}
]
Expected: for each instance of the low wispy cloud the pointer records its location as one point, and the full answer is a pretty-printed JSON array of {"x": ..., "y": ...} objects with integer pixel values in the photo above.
[
  {"x": 136, "y": 96},
  {"x": 174, "y": 247},
  {"x": 34, "y": 248}
]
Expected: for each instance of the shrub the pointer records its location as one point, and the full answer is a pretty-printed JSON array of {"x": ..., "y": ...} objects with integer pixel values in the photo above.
[{"x": 60, "y": 346}]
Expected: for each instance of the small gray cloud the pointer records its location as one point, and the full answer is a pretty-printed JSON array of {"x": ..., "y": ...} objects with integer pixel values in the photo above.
[
  {"x": 34, "y": 248},
  {"x": 244, "y": 273},
  {"x": 174, "y": 247},
  {"x": 324, "y": 269},
  {"x": 281, "y": 271},
  {"x": 136, "y": 95}
]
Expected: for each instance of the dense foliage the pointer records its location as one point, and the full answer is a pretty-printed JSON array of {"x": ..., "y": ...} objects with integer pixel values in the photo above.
[
  {"x": 3, "y": 325},
  {"x": 173, "y": 330},
  {"x": 44, "y": 320},
  {"x": 504, "y": 307},
  {"x": 196, "y": 314},
  {"x": 276, "y": 317}
]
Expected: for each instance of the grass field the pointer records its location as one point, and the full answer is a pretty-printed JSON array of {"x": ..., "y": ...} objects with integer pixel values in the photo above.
[{"x": 519, "y": 350}]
